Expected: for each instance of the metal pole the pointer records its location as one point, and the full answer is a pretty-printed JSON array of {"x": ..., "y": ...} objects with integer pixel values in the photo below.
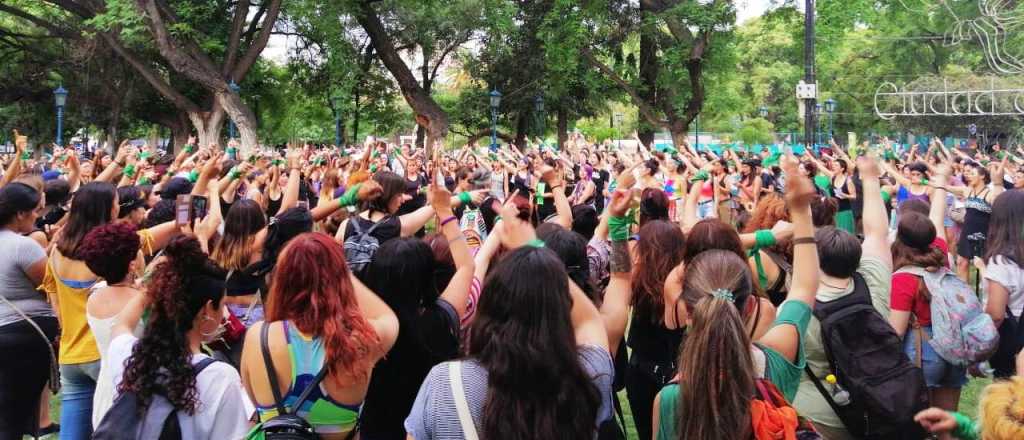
[
  {"x": 60, "y": 125},
  {"x": 697, "y": 138},
  {"x": 494, "y": 127},
  {"x": 337, "y": 128},
  {"x": 809, "y": 104}
]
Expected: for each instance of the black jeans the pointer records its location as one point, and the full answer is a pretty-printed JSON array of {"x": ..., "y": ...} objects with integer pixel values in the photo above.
[
  {"x": 24, "y": 371},
  {"x": 642, "y": 384}
]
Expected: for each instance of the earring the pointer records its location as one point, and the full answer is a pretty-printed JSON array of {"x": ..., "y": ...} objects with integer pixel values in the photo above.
[{"x": 216, "y": 330}]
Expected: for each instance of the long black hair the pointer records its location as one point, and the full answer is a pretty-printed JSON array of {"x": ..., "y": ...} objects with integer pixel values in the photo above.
[
  {"x": 181, "y": 286},
  {"x": 1005, "y": 235},
  {"x": 571, "y": 248},
  {"x": 15, "y": 199},
  {"x": 523, "y": 336},
  {"x": 91, "y": 207}
]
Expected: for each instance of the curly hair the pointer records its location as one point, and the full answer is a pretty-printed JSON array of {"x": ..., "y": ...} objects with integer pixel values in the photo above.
[
  {"x": 770, "y": 210},
  {"x": 181, "y": 286},
  {"x": 109, "y": 249}
]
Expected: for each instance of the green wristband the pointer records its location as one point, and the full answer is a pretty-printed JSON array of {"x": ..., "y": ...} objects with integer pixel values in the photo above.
[
  {"x": 699, "y": 177},
  {"x": 536, "y": 242},
  {"x": 26, "y": 155},
  {"x": 234, "y": 174},
  {"x": 143, "y": 180},
  {"x": 190, "y": 148},
  {"x": 618, "y": 228},
  {"x": 129, "y": 170},
  {"x": 540, "y": 193},
  {"x": 965, "y": 427},
  {"x": 465, "y": 198},
  {"x": 193, "y": 176},
  {"x": 351, "y": 196},
  {"x": 764, "y": 238}
]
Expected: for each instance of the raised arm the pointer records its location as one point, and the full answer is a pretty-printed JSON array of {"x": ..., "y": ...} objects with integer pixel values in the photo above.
[
  {"x": 291, "y": 191},
  {"x": 876, "y": 226},
  {"x": 116, "y": 165},
  {"x": 557, "y": 187},
  {"x": 457, "y": 291},
  {"x": 615, "y": 308},
  {"x": 799, "y": 191}
]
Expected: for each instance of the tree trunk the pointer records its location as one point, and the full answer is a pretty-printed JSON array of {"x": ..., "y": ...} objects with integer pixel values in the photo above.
[
  {"x": 649, "y": 81},
  {"x": 522, "y": 124},
  {"x": 428, "y": 114},
  {"x": 563, "y": 128},
  {"x": 207, "y": 125},
  {"x": 243, "y": 117}
]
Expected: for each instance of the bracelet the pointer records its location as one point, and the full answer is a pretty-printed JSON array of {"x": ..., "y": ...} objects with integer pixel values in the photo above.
[
  {"x": 193, "y": 176},
  {"x": 465, "y": 198},
  {"x": 497, "y": 219},
  {"x": 536, "y": 242},
  {"x": 190, "y": 148},
  {"x": 764, "y": 238},
  {"x": 448, "y": 220},
  {"x": 129, "y": 170},
  {"x": 804, "y": 240},
  {"x": 144, "y": 180}
]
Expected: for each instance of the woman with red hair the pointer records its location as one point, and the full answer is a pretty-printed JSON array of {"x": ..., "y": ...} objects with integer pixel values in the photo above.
[{"x": 325, "y": 330}]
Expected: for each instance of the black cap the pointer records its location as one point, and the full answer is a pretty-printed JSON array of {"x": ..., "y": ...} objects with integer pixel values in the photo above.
[{"x": 175, "y": 187}]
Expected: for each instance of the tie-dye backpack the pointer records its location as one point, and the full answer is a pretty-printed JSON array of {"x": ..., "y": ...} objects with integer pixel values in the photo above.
[{"x": 962, "y": 333}]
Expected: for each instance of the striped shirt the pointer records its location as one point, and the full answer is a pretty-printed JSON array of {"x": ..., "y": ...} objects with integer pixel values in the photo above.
[{"x": 434, "y": 417}]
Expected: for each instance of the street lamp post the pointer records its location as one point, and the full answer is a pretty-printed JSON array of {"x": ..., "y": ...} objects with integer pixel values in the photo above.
[
  {"x": 232, "y": 129},
  {"x": 817, "y": 118},
  {"x": 60, "y": 96},
  {"x": 618, "y": 117},
  {"x": 495, "y": 103},
  {"x": 336, "y": 107},
  {"x": 830, "y": 107},
  {"x": 538, "y": 108}
]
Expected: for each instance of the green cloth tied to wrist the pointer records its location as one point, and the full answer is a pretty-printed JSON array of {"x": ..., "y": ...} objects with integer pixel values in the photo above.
[
  {"x": 193, "y": 176},
  {"x": 618, "y": 228},
  {"x": 351, "y": 196},
  {"x": 144, "y": 180},
  {"x": 129, "y": 170},
  {"x": 234, "y": 174},
  {"x": 699, "y": 177},
  {"x": 965, "y": 427},
  {"x": 540, "y": 192},
  {"x": 536, "y": 242},
  {"x": 764, "y": 238},
  {"x": 465, "y": 198},
  {"x": 190, "y": 148},
  {"x": 26, "y": 155}
]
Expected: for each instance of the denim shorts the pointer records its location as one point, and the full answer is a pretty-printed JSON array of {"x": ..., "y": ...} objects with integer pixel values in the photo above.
[{"x": 938, "y": 373}]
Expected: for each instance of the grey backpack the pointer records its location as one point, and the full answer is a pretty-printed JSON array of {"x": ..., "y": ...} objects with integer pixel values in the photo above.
[
  {"x": 128, "y": 419},
  {"x": 360, "y": 246}
]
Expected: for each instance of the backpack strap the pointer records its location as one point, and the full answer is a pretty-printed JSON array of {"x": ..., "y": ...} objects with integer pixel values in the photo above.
[
  {"x": 268, "y": 362},
  {"x": 312, "y": 386},
  {"x": 821, "y": 389},
  {"x": 206, "y": 362},
  {"x": 459, "y": 394},
  {"x": 375, "y": 225}
]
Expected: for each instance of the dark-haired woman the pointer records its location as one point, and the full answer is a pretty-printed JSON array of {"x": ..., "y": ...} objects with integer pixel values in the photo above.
[
  {"x": 979, "y": 195},
  {"x": 918, "y": 244},
  {"x": 846, "y": 192},
  {"x": 402, "y": 273},
  {"x": 67, "y": 282},
  {"x": 318, "y": 317},
  {"x": 1003, "y": 271},
  {"x": 183, "y": 300},
  {"x": 110, "y": 252},
  {"x": 24, "y": 313},
  {"x": 659, "y": 249},
  {"x": 538, "y": 363},
  {"x": 716, "y": 286}
]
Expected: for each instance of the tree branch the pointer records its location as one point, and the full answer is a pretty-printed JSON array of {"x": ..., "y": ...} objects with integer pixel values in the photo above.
[
  {"x": 256, "y": 47},
  {"x": 237, "y": 23},
  {"x": 643, "y": 107}
]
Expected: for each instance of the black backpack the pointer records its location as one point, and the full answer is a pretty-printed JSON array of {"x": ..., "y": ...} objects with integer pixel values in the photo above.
[
  {"x": 866, "y": 355},
  {"x": 1011, "y": 340},
  {"x": 284, "y": 426},
  {"x": 127, "y": 419}
]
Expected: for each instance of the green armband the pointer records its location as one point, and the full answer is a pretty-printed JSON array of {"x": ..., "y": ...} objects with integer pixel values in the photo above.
[
  {"x": 465, "y": 198},
  {"x": 234, "y": 174},
  {"x": 231, "y": 150},
  {"x": 965, "y": 427},
  {"x": 536, "y": 242},
  {"x": 351, "y": 196},
  {"x": 373, "y": 168},
  {"x": 618, "y": 228},
  {"x": 764, "y": 238},
  {"x": 144, "y": 180},
  {"x": 190, "y": 148},
  {"x": 924, "y": 181},
  {"x": 144, "y": 155},
  {"x": 278, "y": 162},
  {"x": 129, "y": 170},
  {"x": 26, "y": 155},
  {"x": 540, "y": 193},
  {"x": 193, "y": 176},
  {"x": 699, "y": 177}
]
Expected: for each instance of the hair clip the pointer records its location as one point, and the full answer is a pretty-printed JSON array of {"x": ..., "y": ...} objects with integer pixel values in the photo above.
[{"x": 724, "y": 294}]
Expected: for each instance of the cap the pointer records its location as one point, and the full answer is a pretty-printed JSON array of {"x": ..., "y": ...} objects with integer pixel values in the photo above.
[
  {"x": 51, "y": 175},
  {"x": 175, "y": 187}
]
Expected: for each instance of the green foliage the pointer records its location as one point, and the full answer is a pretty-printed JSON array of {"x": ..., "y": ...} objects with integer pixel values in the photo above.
[{"x": 756, "y": 131}]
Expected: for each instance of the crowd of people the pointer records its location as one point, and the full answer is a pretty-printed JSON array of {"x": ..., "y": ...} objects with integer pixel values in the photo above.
[{"x": 383, "y": 291}]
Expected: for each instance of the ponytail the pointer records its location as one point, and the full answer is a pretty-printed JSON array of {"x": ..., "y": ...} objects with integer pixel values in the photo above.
[{"x": 718, "y": 373}]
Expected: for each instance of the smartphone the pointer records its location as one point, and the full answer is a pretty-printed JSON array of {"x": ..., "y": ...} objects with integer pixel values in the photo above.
[
  {"x": 199, "y": 208},
  {"x": 182, "y": 209}
]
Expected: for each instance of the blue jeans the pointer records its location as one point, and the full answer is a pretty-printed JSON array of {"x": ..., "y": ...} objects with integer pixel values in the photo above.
[
  {"x": 78, "y": 383},
  {"x": 938, "y": 373}
]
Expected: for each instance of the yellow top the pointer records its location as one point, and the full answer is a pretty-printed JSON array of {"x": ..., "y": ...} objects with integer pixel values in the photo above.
[{"x": 77, "y": 344}]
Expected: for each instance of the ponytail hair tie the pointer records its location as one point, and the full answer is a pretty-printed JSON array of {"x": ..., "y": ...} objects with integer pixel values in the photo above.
[{"x": 723, "y": 294}]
